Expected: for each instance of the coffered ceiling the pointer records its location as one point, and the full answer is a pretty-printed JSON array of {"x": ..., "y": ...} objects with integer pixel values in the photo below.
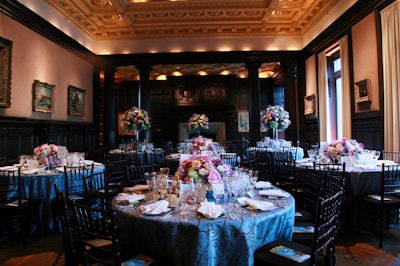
[
  {"x": 143, "y": 19},
  {"x": 158, "y": 21}
]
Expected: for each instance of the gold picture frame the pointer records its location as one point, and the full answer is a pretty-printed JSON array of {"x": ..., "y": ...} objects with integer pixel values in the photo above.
[
  {"x": 243, "y": 121},
  {"x": 362, "y": 91},
  {"x": 121, "y": 126},
  {"x": 309, "y": 104},
  {"x": 5, "y": 72},
  {"x": 43, "y": 97},
  {"x": 76, "y": 101}
]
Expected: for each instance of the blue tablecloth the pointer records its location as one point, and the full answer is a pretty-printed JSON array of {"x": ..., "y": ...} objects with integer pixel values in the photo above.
[
  {"x": 41, "y": 186},
  {"x": 227, "y": 240}
]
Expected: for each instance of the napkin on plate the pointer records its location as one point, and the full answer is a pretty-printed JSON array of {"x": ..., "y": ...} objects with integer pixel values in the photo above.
[
  {"x": 386, "y": 162},
  {"x": 364, "y": 166},
  {"x": 210, "y": 210},
  {"x": 136, "y": 188},
  {"x": 263, "y": 184},
  {"x": 304, "y": 160},
  {"x": 131, "y": 198},
  {"x": 6, "y": 168},
  {"x": 60, "y": 169},
  {"x": 31, "y": 171},
  {"x": 155, "y": 208},
  {"x": 274, "y": 193},
  {"x": 259, "y": 204}
]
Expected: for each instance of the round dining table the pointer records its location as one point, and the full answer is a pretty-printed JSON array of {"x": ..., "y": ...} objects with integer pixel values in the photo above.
[
  {"x": 193, "y": 239},
  {"x": 40, "y": 185}
]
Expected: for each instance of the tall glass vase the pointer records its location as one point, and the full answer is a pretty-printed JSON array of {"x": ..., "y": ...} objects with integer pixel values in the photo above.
[
  {"x": 137, "y": 133},
  {"x": 275, "y": 133}
]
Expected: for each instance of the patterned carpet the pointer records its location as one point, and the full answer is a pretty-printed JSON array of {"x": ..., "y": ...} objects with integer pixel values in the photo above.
[{"x": 357, "y": 250}]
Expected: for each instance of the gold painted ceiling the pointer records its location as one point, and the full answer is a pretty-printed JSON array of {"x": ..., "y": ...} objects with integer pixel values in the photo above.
[
  {"x": 143, "y": 19},
  {"x": 156, "y": 19}
]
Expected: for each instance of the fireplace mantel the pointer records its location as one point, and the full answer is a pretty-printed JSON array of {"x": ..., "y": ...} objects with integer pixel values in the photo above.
[{"x": 217, "y": 128}]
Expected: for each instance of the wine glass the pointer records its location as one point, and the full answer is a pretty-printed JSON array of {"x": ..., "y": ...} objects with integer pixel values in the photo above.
[
  {"x": 218, "y": 190},
  {"x": 150, "y": 180}
]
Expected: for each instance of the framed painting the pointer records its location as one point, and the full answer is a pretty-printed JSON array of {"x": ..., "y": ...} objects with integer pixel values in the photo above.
[
  {"x": 243, "y": 121},
  {"x": 5, "y": 72},
  {"x": 43, "y": 97},
  {"x": 121, "y": 127},
  {"x": 309, "y": 104},
  {"x": 185, "y": 96},
  {"x": 362, "y": 91},
  {"x": 76, "y": 101}
]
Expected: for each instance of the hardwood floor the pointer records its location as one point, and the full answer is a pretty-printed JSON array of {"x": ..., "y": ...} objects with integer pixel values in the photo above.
[{"x": 357, "y": 250}]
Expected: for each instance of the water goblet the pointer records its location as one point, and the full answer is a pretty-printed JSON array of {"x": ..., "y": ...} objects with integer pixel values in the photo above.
[{"x": 218, "y": 190}]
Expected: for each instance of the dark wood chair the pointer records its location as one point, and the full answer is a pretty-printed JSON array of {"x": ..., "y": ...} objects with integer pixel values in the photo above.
[
  {"x": 229, "y": 159},
  {"x": 17, "y": 212},
  {"x": 136, "y": 174},
  {"x": 322, "y": 250},
  {"x": 387, "y": 200},
  {"x": 96, "y": 190},
  {"x": 158, "y": 158},
  {"x": 116, "y": 176},
  {"x": 72, "y": 246},
  {"x": 98, "y": 232},
  {"x": 74, "y": 185}
]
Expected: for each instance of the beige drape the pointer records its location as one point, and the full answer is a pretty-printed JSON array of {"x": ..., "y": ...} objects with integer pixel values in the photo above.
[
  {"x": 390, "y": 20},
  {"x": 323, "y": 111},
  {"x": 345, "y": 118}
]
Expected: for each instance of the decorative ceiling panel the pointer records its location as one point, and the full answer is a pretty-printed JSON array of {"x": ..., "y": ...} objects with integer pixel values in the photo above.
[{"x": 139, "y": 19}]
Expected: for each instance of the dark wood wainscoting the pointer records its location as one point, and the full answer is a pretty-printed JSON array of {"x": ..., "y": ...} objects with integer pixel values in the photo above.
[{"x": 19, "y": 136}]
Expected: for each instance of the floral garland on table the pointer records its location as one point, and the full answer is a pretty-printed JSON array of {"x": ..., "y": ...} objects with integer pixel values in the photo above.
[
  {"x": 200, "y": 144},
  {"x": 275, "y": 117},
  {"x": 343, "y": 147},
  {"x": 46, "y": 154},
  {"x": 204, "y": 168},
  {"x": 197, "y": 121},
  {"x": 136, "y": 119}
]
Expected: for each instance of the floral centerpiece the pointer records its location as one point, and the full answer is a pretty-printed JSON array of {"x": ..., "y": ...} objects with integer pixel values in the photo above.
[
  {"x": 198, "y": 122},
  {"x": 46, "y": 154},
  {"x": 202, "y": 168},
  {"x": 136, "y": 119},
  {"x": 275, "y": 117},
  {"x": 343, "y": 147},
  {"x": 200, "y": 144}
]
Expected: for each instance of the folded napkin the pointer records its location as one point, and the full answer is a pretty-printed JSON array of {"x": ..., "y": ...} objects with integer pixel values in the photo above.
[
  {"x": 210, "y": 210},
  {"x": 60, "y": 169},
  {"x": 259, "y": 204},
  {"x": 130, "y": 198},
  {"x": 291, "y": 254},
  {"x": 175, "y": 155},
  {"x": 8, "y": 168},
  {"x": 136, "y": 188},
  {"x": 274, "y": 193},
  {"x": 309, "y": 164},
  {"x": 155, "y": 208},
  {"x": 364, "y": 166},
  {"x": 386, "y": 162},
  {"x": 31, "y": 171},
  {"x": 305, "y": 160},
  {"x": 263, "y": 184}
]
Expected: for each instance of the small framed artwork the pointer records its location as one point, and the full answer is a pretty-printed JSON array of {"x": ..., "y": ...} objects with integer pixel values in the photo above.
[
  {"x": 121, "y": 127},
  {"x": 185, "y": 96},
  {"x": 309, "y": 104},
  {"x": 76, "y": 101},
  {"x": 243, "y": 121},
  {"x": 43, "y": 97},
  {"x": 362, "y": 91}
]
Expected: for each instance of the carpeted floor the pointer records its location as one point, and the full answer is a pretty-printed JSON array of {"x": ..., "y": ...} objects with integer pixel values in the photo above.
[{"x": 357, "y": 250}]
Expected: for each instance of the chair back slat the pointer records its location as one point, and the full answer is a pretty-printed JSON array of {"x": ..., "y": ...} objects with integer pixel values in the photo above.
[
  {"x": 136, "y": 174},
  {"x": 74, "y": 180}
]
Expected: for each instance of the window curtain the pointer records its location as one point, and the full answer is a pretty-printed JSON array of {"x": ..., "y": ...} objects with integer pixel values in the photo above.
[
  {"x": 323, "y": 110},
  {"x": 390, "y": 21},
  {"x": 345, "y": 118}
]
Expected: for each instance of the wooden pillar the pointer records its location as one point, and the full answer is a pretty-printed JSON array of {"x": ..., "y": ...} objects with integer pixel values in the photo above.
[
  {"x": 254, "y": 102},
  {"x": 110, "y": 123},
  {"x": 144, "y": 92}
]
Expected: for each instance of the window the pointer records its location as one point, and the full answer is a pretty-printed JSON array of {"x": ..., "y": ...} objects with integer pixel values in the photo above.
[{"x": 334, "y": 105}]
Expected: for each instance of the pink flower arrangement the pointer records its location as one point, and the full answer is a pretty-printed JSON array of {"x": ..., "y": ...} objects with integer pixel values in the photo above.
[
  {"x": 275, "y": 117},
  {"x": 197, "y": 121},
  {"x": 136, "y": 119},
  {"x": 200, "y": 144},
  {"x": 46, "y": 154},
  {"x": 343, "y": 147},
  {"x": 205, "y": 168}
]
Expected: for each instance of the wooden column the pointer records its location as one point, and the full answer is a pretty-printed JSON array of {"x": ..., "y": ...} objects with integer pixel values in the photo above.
[
  {"x": 144, "y": 92},
  {"x": 254, "y": 102},
  {"x": 110, "y": 123}
]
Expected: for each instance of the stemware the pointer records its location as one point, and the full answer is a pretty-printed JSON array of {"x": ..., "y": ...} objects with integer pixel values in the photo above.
[
  {"x": 150, "y": 180},
  {"x": 218, "y": 190}
]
